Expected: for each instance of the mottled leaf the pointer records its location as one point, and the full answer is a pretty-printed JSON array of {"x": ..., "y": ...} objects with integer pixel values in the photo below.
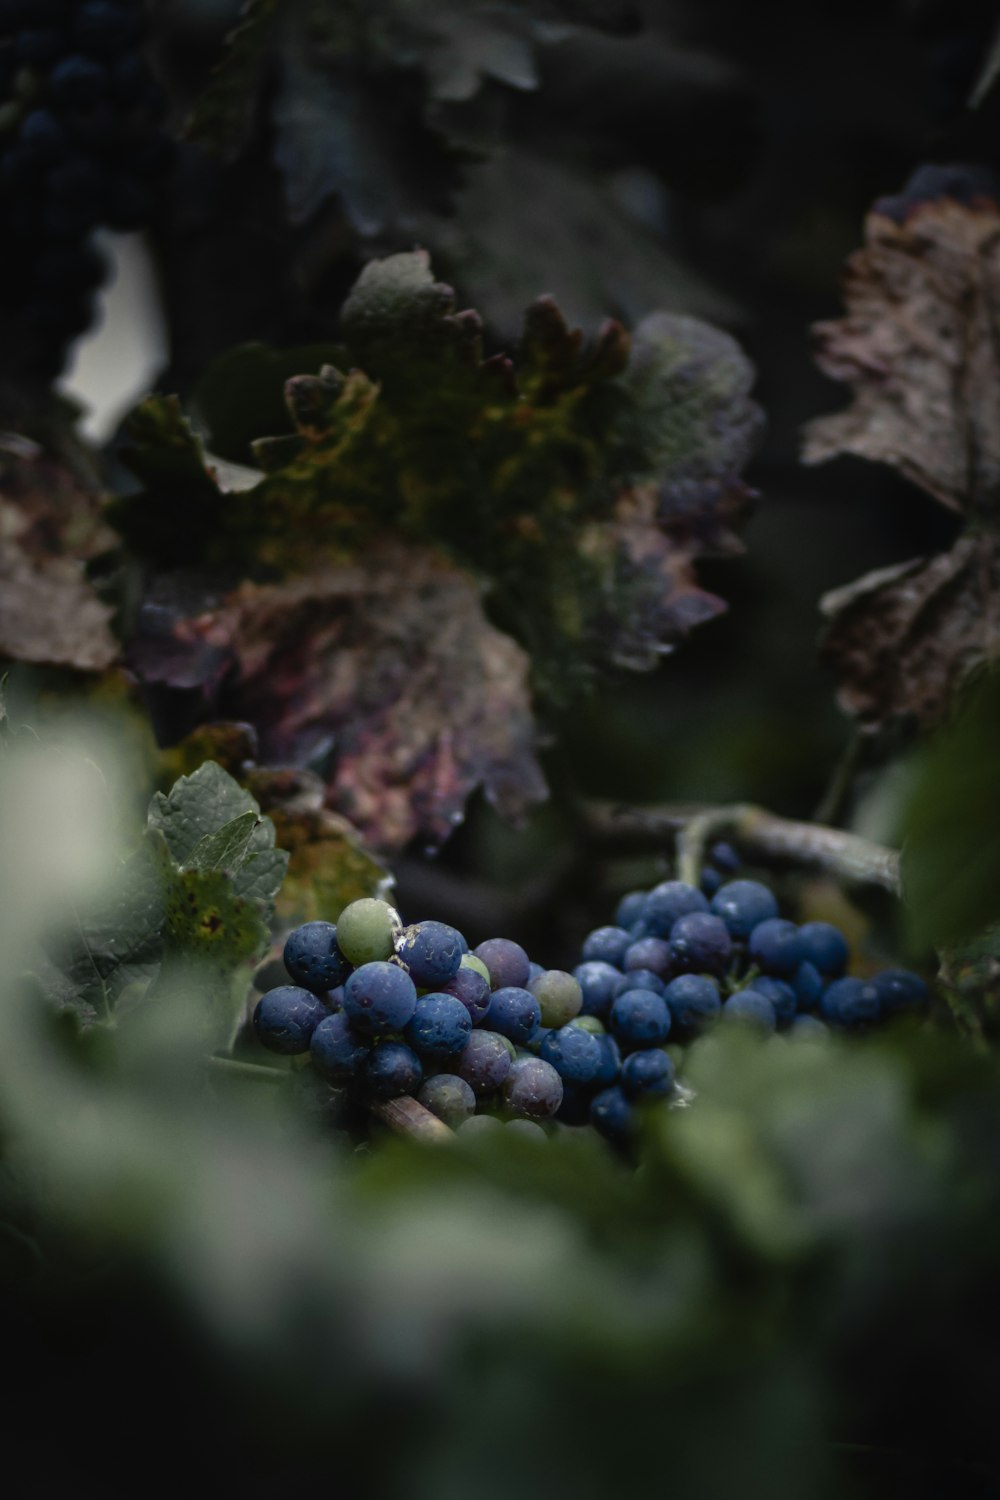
[
  {"x": 50, "y": 527},
  {"x": 903, "y": 639},
  {"x": 918, "y": 346}
]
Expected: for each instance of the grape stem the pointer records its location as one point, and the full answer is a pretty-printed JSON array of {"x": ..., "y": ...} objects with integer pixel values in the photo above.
[
  {"x": 760, "y": 833},
  {"x": 406, "y": 1117}
]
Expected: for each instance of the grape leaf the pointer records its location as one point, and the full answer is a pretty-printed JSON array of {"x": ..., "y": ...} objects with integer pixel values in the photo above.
[
  {"x": 918, "y": 346},
  {"x": 50, "y": 528}
]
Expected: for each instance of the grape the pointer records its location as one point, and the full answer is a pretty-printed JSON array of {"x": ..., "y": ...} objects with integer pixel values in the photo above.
[
  {"x": 781, "y": 995},
  {"x": 639, "y": 1018},
  {"x": 648, "y": 1074},
  {"x": 514, "y": 1012},
  {"x": 336, "y": 1050},
  {"x": 606, "y": 945},
  {"x": 638, "y": 979},
  {"x": 630, "y": 909},
  {"x": 808, "y": 1029},
  {"x": 77, "y": 82},
  {"x": 532, "y": 1089},
  {"x": 506, "y": 962},
  {"x": 850, "y": 1003},
  {"x": 611, "y": 1114},
  {"x": 694, "y": 1001},
  {"x": 313, "y": 958},
  {"x": 106, "y": 30},
  {"x": 470, "y": 961},
  {"x": 593, "y": 1024},
  {"x": 432, "y": 951},
  {"x": 597, "y": 982},
  {"x": 367, "y": 930},
  {"x": 700, "y": 943},
  {"x": 38, "y": 48},
  {"x": 392, "y": 1069},
  {"x": 559, "y": 996},
  {"x": 750, "y": 1007},
  {"x": 667, "y": 903},
  {"x": 574, "y": 1053},
  {"x": 825, "y": 946},
  {"x": 379, "y": 998},
  {"x": 526, "y": 1127},
  {"x": 775, "y": 946},
  {"x": 479, "y": 1125},
  {"x": 743, "y": 904},
  {"x": 485, "y": 1062},
  {"x": 285, "y": 1019},
  {"x": 808, "y": 984},
  {"x": 710, "y": 882},
  {"x": 43, "y": 135},
  {"x": 611, "y": 1061},
  {"x": 440, "y": 1025},
  {"x": 898, "y": 990},
  {"x": 473, "y": 989},
  {"x": 575, "y": 1106},
  {"x": 650, "y": 953},
  {"x": 724, "y": 858},
  {"x": 449, "y": 1097}
]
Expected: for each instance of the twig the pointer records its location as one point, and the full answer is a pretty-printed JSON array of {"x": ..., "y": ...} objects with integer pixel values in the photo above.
[
  {"x": 619, "y": 829},
  {"x": 837, "y": 794},
  {"x": 407, "y": 1117},
  {"x": 847, "y": 856},
  {"x": 254, "y": 1072}
]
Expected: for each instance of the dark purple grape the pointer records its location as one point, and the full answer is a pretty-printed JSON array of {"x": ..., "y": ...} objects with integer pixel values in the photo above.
[
  {"x": 700, "y": 944},
  {"x": 507, "y": 962},
  {"x": 392, "y": 1069},
  {"x": 469, "y": 986},
  {"x": 336, "y": 1050},
  {"x": 485, "y": 1062},
  {"x": 285, "y": 1019},
  {"x": 533, "y": 1089}
]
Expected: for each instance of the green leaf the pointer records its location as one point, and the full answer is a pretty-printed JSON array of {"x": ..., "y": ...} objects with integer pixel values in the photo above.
[
  {"x": 951, "y": 831},
  {"x": 222, "y": 117},
  {"x": 197, "y": 807},
  {"x": 228, "y": 848}
]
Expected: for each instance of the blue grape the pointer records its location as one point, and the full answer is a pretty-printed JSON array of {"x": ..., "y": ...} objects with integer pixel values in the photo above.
[
  {"x": 514, "y": 1013},
  {"x": 485, "y": 1062},
  {"x": 440, "y": 1026},
  {"x": 507, "y": 962},
  {"x": 748, "y": 1006},
  {"x": 640, "y": 1018},
  {"x": 648, "y": 1074},
  {"x": 77, "y": 83},
  {"x": 710, "y": 882},
  {"x": 630, "y": 910},
  {"x": 724, "y": 858},
  {"x": 573, "y": 1052},
  {"x": 392, "y": 1069},
  {"x": 469, "y": 986},
  {"x": 899, "y": 989},
  {"x": 285, "y": 1018},
  {"x": 694, "y": 1002},
  {"x": 781, "y": 995},
  {"x": 535, "y": 971},
  {"x": 606, "y": 945},
  {"x": 667, "y": 903},
  {"x": 776, "y": 947},
  {"x": 380, "y": 997},
  {"x": 597, "y": 982},
  {"x": 432, "y": 952},
  {"x": 532, "y": 1089},
  {"x": 850, "y": 1003},
  {"x": 808, "y": 984},
  {"x": 743, "y": 904},
  {"x": 449, "y": 1097},
  {"x": 700, "y": 944},
  {"x": 638, "y": 979},
  {"x": 650, "y": 953},
  {"x": 336, "y": 1050},
  {"x": 611, "y": 1114},
  {"x": 313, "y": 958},
  {"x": 825, "y": 946},
  {"x": 611, "y": 1061}
]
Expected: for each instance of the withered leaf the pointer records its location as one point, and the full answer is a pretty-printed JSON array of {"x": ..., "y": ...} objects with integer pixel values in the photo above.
[
  {"x": 388, "y": 668},
  {"x": 918, "y": 345},
  {"x": 50, "y": 527}
]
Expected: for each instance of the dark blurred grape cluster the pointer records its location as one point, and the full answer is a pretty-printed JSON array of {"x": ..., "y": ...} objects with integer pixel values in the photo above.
[{"x": 80, "y": 149}]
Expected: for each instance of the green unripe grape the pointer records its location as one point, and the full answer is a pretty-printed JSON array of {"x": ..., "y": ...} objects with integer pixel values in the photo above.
[
  {"x": 593, "y": 1024},
  {"x": 367, "y": 931},
  {"x": 509, "y": 1045},
  {"x": 470, "y": 961},
  {"x": 559, "y": 995}
]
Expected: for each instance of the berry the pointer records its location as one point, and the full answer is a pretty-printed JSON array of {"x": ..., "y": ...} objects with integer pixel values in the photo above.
[
  {"x": 449, "y": 1097},
  {"x": 724, "y": 858},
  {"x": 850, "y": 1003},
  {"x": 781, "y": 995},
  {"x": 77, "y": 82},
  {"x": 529, "y": 1128},
  {"x": 559, "y": 996},
  {"x": 313, "y": 958},
  {"x": 710, "y": 882},
  {"x": 694, "y": 1001},
  {"x": 611, "y": 1061},
  {"x": 700, "y": 944},
  {"x": 107, "y": 30},
  {"x": 379, "y": 998},
  {"x": 743, "y": 904},
  {"x": 506, "y": 962},
  {"x": 597, "y": 982},
  {"x": 432, "y": 952},
  {"x": 514, "y": 1013},
  {"x": 775, "y": 946},
  {"x": 824, "y": 946},
  {"x": 533, "y": 1089},
  {"x": 485, "y": 1062},
  {"x": 639, "y": 1018},
  {"x": 472, "y": 988},
  {"x": 611, "y": 1114},
  {"x": 808, "y": 1029},
  {"x": 392, "y": 1069},
  {"x": 808, "y": 984},
  {"x": 898, "y": 990},
  {"x": 649, "y": 953},
  {"x": 285, "y": 1019},
  {"x": 750, "y": 1007},
  {"x": 667, "y": 903},
  {"x": 638, "y": 979},
  {"x": 606, "y": 945},
  {"x": 630, "y": 909},
  {"x": 336, "y": 1050},
  {"x": 648, "y": 1074},
  {"x": 440, "y": 1026},
  {"x": 367, "y": 930},
  {"x": 574, "y": 1053}
]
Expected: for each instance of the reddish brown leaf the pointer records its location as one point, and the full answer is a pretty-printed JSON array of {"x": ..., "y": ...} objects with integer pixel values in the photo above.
[
  {"x": 919, "y": 346},
  {"x": 49, "y": 528},
  {"x": 389, "y": 669},
  {"x": 902, "y": 640}
]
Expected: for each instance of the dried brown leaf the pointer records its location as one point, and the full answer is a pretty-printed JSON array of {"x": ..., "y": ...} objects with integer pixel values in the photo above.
[{"x": 919, "y": 346}]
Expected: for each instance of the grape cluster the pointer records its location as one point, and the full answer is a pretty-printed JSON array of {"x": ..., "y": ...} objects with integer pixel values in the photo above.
[
  {"x": 485, "y": 1035},
  {"x": 79, "y": 149}
]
